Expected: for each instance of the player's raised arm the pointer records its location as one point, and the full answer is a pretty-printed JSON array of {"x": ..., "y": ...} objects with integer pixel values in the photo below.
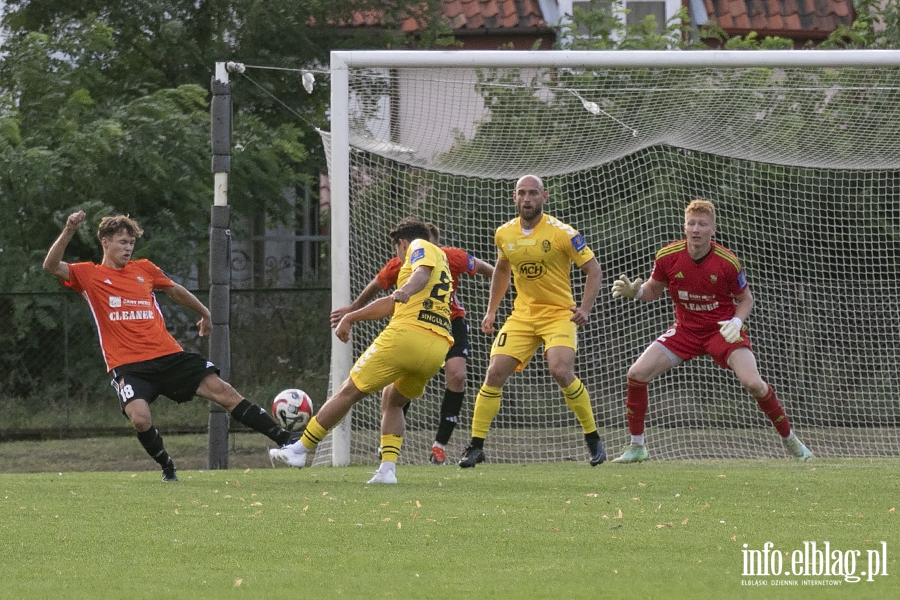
[
  {"x": 646, "y": 291},
  {"x": 372, "y": 311},
  {"x": 415, "y": 284},
  {"x": 53, "y": 262},
  {"x": 484, "y": 268}
]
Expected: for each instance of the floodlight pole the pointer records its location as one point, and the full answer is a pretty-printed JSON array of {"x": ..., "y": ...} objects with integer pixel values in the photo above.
[{"x": 220, "y": 260}]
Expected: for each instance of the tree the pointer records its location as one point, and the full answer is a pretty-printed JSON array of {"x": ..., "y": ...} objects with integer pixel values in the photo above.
[
  {"x": 877, "y": 26},
  {"x": 104, "y": 106},
  {"x": 602, "y": 26}
]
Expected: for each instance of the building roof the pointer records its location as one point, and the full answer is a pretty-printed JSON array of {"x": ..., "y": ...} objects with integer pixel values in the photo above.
[
  {"x": 482, "y": 24},
  {"x": 498, "y": 21},
  {"x": 491, "y": 24},
  {"x": 491, "y": 15},
  {"x": 809, "y": 19}
]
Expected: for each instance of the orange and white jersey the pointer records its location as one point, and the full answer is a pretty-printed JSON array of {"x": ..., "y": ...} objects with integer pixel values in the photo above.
[
  {"x": 460, "y": 262},
  {"x": 129, "y": 322}
]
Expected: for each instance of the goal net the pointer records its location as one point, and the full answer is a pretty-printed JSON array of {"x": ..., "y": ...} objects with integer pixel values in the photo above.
[{"x": 799, "y": 151}]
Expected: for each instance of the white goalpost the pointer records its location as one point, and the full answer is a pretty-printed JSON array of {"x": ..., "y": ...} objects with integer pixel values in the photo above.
[{"x": 799, "y": 150}]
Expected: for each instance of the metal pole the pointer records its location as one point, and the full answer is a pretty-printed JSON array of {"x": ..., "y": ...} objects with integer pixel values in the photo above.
[{"x": 220, "y": 260}]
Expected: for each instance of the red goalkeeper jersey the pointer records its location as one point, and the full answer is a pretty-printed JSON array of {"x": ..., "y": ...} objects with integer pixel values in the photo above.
[
  {"x": 460, "y": 261},
  {"x": 129, "y": 322},
  {"x": 703, "y": 291}
]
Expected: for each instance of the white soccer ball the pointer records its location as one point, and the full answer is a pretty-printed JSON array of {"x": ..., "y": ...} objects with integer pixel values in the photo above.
[{"x": 292, "y": 409}]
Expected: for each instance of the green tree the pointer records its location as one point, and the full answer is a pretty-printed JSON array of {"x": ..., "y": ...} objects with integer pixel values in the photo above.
[
  {"x": 877, "y": 26},
  {"x": 104, "y": 106},
  {"x": 601, "y": 26}
]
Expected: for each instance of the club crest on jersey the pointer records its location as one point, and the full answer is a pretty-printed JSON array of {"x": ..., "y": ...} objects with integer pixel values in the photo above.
[
  {"x": 115, "y": 302},
  {"x": 545, "y": 245},
  {"x": 140, "y": 279},
  {"x": 713, "y": 278},
  {"x": 578, "y": 242}
]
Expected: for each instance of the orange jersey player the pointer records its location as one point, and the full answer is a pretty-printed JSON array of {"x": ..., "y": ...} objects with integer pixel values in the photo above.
[{"x": 144, "y": 361}]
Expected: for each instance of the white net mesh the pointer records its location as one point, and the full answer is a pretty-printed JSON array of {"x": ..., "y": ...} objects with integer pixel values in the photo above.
[{"x": 802, "y": 164}]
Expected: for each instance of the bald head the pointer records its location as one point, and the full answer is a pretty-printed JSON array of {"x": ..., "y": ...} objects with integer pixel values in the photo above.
[{"x": 531, "y": 180}]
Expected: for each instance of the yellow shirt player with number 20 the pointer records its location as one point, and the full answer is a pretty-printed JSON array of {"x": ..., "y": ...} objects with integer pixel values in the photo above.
[
  {"x": 538, "y": 251},
  {"x": 404, "y": 356}
]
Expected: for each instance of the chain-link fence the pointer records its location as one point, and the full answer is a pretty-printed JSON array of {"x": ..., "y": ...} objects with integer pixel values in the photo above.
[{"x": 53, "y": 380}]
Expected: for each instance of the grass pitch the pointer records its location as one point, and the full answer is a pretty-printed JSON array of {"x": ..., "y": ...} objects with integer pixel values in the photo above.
[{"x": 666, "y": 529}]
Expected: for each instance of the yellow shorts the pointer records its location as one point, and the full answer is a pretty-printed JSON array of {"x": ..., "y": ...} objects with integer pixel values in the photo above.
[
  {"x": 408, "y": 357},
  {"x": 520, "y": 337}
]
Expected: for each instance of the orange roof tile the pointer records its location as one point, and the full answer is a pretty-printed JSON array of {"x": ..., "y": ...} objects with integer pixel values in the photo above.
[
  {"x": 786, "y": 18},
  {"x": 472, "y": 15}
]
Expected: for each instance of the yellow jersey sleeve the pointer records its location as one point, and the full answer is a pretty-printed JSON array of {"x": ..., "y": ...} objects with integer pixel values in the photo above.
[{"x": 429, "y": 307}]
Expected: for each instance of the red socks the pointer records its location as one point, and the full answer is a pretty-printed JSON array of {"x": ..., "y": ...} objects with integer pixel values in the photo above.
[
  {"x": 636, "y": 406},
  {"x": 770, "y": 405}
]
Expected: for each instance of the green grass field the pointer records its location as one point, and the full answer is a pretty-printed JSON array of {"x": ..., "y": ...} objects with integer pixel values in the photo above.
[{"x": 665, "y": 529}]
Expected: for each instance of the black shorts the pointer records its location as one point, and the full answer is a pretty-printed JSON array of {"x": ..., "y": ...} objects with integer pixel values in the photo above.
[
  {"x": 460, "y": 330},
  {"x": 176, "y": 376}
]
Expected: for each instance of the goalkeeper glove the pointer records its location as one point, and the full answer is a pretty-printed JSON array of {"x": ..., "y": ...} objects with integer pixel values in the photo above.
[
  {"x": 731, "y": 330},
  {"x": 623, "y": 288}
]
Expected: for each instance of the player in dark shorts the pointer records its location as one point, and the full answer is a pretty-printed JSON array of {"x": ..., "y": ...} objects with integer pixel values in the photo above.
[{"x": 142, "y": 358}]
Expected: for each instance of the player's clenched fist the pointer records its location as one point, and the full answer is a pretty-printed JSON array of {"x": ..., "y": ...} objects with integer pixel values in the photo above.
[{"x": 75, "y": 221}]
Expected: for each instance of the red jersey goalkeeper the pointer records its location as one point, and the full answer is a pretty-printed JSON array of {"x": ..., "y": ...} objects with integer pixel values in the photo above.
[{"x": 712, "y": 300}]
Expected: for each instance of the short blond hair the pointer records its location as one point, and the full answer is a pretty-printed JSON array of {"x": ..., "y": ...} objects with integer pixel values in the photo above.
[
  {"x": 110, "y": 226},
  {"x": 700, "y": 206}
]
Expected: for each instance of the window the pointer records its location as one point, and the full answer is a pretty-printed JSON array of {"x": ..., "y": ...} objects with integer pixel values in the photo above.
[
  {"x": 639, "y": 9},
  {"x": 662, "y": 10}
]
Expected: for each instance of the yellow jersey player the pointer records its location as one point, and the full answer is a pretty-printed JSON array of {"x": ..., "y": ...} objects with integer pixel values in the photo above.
[
  {"x": 538, "y": 251},
  {"x": 402, "y": 359}
]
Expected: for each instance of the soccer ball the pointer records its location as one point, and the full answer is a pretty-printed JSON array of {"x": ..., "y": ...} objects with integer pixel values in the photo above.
[{"x": 292, "y": 409}]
